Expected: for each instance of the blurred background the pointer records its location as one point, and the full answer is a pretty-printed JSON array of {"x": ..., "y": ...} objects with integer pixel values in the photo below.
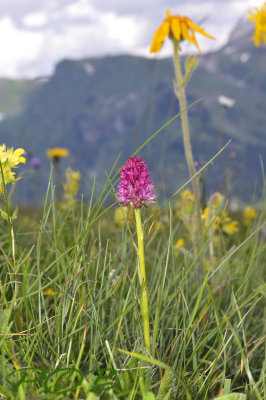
[{"x": 78, "y": 75}]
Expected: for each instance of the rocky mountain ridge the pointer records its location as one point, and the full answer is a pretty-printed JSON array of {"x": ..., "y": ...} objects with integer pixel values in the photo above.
[{"x": 100, "y": 107}]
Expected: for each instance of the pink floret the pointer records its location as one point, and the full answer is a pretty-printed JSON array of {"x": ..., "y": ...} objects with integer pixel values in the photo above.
[{"x": 135, "y": 187}]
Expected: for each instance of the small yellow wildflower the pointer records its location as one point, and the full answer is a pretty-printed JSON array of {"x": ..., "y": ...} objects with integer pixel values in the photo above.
[
  {"x": 186, "y": 194},
  {"x": 179, "y": 245},
  {"x": 205, "y": 214},
  {"x": 181, "y": 28},
  {"x": 259, "y": 18},
  {"x": 226, "y": 224},
  {"x": 230, "y": 227},
  {"x": 220, "y": 222},
  {"x": 209, "y": 220},
  {"x": 48, "y": 292},
  {"x": 71, "y": 187},
  {"x": 57, "y": 153},
  {"x": 185, "y": 202},
  {"x": 249, "y": 215},
  {"x": 10, "y": 159}
]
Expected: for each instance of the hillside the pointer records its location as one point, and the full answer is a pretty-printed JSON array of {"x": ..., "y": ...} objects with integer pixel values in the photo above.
[{"x": 99, "y": 107}]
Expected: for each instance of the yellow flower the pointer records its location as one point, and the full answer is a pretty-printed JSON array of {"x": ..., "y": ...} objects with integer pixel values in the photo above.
[
  {"x": 205, "y": 214},
  {"x": 249, "y": 215},
  {"x": 186, "y": 194},
  {"x": 57, "y": 153},
  {"x": 209, "y": 220},
  {"x": 185, "y": 203},
  {"x": 259, "y": 18},
  {"x": 179, "y": 245},
  {"x": 230, "y": 227},
  {"x": 181, "y": 28},
  {"x": 10, "y": 159},
  {"x": 222, "y": 222},
  {"x": 71, "y": 188},
  {"x": 48, "y": 292},
  {"x": 225, "y": 223}
]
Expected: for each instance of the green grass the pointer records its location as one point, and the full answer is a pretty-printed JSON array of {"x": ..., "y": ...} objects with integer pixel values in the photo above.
[{"x": 207, "y": 329}]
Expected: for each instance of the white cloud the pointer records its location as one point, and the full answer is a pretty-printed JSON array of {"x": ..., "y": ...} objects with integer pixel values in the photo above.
[
  {"x": 17, "y": 48},
  {"x": 35, "y": 20},
  {"x": 125, "y": 31},
  {"x": 35, "y": 35}
]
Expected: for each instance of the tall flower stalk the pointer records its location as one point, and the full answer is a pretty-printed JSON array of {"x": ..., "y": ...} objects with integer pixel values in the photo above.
[
  {"x": 9, "y": 159},
  {"x": 135, "y": 190},
  {"x": 179, "y": 28},
  {"x": 56, "y": 154},
  {"x": 186, "y": 138},
  {"x": 142, "y": 278}
]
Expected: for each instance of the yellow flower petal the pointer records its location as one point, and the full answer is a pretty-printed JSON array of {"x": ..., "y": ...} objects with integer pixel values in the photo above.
[
  {"x": 156, "y": 46},
  {"x": 199, "y": 29},
  {"x": 159, "y": 37},
  {"x": 176, "y": 29},
  {"x": 230, "y": 228},
  {"x": 163, "y": 31},
  {"x": 168, "y": 14},
  {"x": 185, "y": 33},
  {"x": 195, "y": 41},
  {"x": 258, "y": 16}
]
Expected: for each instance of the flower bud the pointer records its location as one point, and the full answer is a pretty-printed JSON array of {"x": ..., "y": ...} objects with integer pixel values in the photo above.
[{"x": 216, "y": 200}]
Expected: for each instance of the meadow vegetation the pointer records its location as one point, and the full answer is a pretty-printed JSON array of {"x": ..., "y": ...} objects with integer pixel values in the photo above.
[{"x": 73, "y": 319}]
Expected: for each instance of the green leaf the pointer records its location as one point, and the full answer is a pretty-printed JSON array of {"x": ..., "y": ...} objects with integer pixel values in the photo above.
[
  {"x": 147, "y": 359},
  {"x": 15, "y": 214},
  {"x": 148, "y": 396},
  {"x": 18, "y": 320},
  {"x": 227, "y": 386},
  {"x": 3, "y": 214},
  {"x": 232, "y": 396},
  {"x": 166, "y": 397},
  {"x": 190, "y": 65},
  {"x": 165, "y": 384}
]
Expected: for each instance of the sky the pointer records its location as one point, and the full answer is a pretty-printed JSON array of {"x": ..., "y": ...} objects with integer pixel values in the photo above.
[{"x": 35, "y": 35}]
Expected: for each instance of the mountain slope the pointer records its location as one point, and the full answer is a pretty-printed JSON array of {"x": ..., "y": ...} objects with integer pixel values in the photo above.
[{"x": 100, "y": 107}]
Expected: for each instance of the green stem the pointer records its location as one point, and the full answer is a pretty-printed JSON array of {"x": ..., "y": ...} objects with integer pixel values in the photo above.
[
  {"x": 187, "y": 144},
  {"x": 11, "y": 233},
  {"x": 142, "y": 277}
]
